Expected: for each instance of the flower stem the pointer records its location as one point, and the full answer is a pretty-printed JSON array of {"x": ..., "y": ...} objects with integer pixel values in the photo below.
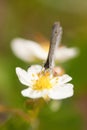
[{"x": 54, "y": 42}]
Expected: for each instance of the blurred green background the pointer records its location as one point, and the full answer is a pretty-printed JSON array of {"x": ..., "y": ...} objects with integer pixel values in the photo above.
[{"x": 26, "y": 18}]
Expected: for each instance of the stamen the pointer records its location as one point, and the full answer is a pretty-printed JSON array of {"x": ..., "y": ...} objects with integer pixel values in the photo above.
[{"x": 43, "y": 81}]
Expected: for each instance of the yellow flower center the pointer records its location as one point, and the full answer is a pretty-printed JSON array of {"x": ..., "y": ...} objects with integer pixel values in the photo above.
[{"x": 43, "y": 82}]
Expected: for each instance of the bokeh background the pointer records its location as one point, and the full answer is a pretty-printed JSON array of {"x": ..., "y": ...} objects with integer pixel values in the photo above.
[{"x": 27, "y": 19}]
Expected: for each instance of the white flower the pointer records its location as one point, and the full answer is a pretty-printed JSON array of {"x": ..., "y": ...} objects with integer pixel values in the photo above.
[
  {"x": 28, "y": 51},
  {"x": 42, "y": 83}
]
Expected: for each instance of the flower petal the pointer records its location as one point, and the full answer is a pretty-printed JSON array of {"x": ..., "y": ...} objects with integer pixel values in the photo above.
[
  {"x": 64, "y": 79},
  {"x": 28, "y": 50},
  {"x": 61, "y": 92},
  {"x": 29, "y": 92},
  {"x": 23, "y": 76},
  {"x": 63, "y": 53},
  {"x": 35, "y": 69}
]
